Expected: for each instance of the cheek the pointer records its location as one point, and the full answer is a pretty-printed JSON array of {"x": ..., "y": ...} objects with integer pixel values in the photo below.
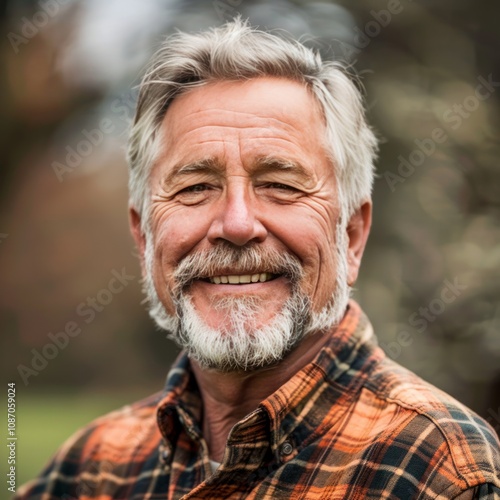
[
  {"x": 178, "y": 233},
  {"x": 309, "y": 233},
  {"x": 175, "y": 235}
]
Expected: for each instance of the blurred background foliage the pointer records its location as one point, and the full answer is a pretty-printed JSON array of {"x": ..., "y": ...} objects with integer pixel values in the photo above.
[{"x": 70, "y": 64}]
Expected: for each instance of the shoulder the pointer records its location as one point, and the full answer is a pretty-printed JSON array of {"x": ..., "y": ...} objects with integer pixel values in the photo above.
[
  {"x": 438, "y": 425},
  {"x": 110, "y": 443},
  {"x": 122, "y": 429},
  {"x": 118, "y": 432}
]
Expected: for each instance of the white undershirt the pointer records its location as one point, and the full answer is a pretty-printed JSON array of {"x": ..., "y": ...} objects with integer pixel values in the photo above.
[{"x": 214, "y": 465}]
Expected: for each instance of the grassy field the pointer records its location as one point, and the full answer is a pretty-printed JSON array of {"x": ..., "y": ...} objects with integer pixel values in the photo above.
[{"x": 44, "y": 422}]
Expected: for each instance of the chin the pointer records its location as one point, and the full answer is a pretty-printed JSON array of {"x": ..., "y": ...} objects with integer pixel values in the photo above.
[{"x": 240, "y": 343}]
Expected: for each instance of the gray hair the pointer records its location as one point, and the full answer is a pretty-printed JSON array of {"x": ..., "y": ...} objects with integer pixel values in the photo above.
[{"x": 236, "y": 51}]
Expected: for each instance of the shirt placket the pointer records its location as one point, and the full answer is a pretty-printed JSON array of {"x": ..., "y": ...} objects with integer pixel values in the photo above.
[
  {"x": 189, "y": 464},
  {"x": 247, "y": 449}
]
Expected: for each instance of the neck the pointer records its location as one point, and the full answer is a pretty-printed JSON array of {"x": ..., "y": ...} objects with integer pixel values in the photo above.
[{"x": 228, "y": 397}]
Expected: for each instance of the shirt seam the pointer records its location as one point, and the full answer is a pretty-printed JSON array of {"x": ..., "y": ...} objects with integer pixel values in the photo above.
[{"x": 420, "y": 412}]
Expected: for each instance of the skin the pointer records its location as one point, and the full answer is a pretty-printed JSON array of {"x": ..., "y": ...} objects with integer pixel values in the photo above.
[{"x": 211, "y": 184}]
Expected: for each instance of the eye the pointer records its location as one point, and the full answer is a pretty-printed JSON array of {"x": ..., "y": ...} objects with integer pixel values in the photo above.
[
  {"x": 195, "y": 194},
  {"x": 277, "y": 185},
  {"x": 195, "y": 188},
  {"x": 279, "y": 192}
]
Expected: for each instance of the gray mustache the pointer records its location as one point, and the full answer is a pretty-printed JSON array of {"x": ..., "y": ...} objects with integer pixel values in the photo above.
[{"x": 227, "y": 259}]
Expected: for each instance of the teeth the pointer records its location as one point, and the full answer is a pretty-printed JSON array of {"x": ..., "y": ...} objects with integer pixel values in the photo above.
[{"x": 236, "y": 279}]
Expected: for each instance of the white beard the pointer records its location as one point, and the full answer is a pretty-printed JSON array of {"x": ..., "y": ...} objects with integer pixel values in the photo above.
[{"x": 239, "y": 346}]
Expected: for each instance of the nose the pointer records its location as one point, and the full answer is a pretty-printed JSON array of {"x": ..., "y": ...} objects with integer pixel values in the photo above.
[{"x": 236, "y": 220}]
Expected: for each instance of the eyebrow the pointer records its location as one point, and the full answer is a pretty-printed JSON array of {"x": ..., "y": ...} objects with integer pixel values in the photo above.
[
  {"x": 211, "y": 165},
  {"x": 208, "y": 165},
  {"x": 268, "y": 164}
]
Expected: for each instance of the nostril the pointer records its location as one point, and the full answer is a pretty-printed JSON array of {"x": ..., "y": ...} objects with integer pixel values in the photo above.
[{"x": 237, "y": 221}]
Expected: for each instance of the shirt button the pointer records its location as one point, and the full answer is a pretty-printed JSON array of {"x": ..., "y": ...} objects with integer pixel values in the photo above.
[{"x": 286, "y": 448}]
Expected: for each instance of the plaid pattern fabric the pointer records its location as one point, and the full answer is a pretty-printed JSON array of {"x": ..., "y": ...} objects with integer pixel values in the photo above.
[{"x": 351, "y": 425}]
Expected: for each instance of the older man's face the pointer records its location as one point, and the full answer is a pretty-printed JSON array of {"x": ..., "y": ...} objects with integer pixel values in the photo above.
[{"x": 244, "y": 163}]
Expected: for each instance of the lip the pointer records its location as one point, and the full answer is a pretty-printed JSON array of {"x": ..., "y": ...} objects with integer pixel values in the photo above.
[
  {"x": 240, "y": 288},
  {"x": 241, "y": 278}
]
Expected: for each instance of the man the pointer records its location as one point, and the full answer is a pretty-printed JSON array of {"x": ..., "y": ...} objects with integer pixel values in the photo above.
[{"x": 251, "y": 172}]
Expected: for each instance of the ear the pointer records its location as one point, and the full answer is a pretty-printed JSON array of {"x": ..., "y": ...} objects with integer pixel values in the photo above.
[
  {"x": 358, "y": 229},
  {"x": 139, "y": 237}
]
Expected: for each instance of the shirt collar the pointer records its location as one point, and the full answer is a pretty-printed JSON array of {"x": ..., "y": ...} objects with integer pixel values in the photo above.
[{"x": 295, "y": 414}]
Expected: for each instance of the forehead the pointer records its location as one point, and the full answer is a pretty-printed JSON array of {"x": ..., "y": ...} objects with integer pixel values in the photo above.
[{"x": 257, "y": 117}]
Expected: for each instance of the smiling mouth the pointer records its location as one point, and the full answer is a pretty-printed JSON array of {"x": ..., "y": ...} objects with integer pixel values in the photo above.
[{"x": 241, "y": 279}]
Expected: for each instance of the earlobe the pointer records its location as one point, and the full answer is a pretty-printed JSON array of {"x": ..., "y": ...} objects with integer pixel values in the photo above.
[
  {"x": 358, "y": 230},
  {"x": 137, "y": 234}
]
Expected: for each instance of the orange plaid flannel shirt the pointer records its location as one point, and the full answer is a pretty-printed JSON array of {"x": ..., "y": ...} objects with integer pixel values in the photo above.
[{"x": 352, "y": 424}]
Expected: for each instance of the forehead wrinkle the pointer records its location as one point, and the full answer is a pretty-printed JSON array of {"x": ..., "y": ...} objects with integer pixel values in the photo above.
[
  {"x": 213, "y": 132},
  {"x": 224, "y": 111},
  {"x": 256, "y": 120}
]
